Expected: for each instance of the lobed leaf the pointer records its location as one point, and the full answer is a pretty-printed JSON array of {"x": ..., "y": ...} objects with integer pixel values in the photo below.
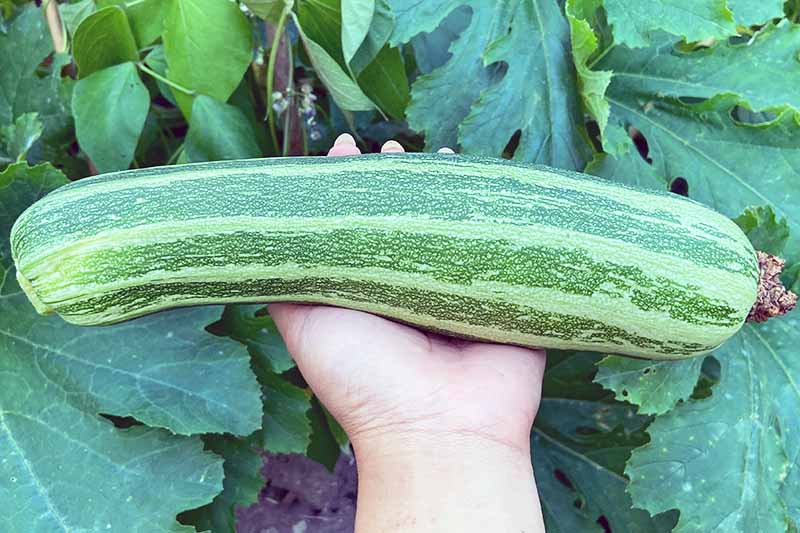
[
  {"x": 64, "y": 467},
  {"x": 580, "y": 442},
  {"x": 546, "y": 113},
  {"x": 427, "y": 111},
  {"x": 654, "y": 386},
  {"x": 242, "y": 484},
  {"x": 729, "y": 462},
  {"x": 634, "y": 23},
  {"x": 762, "y": 228}
]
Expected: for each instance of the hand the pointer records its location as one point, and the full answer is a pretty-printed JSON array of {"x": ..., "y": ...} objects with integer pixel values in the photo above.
[{"x": 405, "y": 397}]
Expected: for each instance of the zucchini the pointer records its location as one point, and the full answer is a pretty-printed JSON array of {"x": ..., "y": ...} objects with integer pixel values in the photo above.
[{"x": 480, "y": 248}]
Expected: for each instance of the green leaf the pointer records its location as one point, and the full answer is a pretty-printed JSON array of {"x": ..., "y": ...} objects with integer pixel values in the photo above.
[
  {"x": 727, "y": 166},
  {"x": 723, "y": 460},
  {"x": 266, "y": 9},
  {"x": 219, "y": 131},
  {"x": 344, "y": 91},
  {"x": 580, "y": 442},
  {"x": 20, "y": 186},
  {"x": 592, "y": 83},
  {"x": 749, "y": 13},
  {"x": 164, "y": 369},
  {"x": 110, "y": 108},
  {"x": 442, "y": 99},
  {"x": 634, "y": 23},
  {"x": 431, "y": 50},
  {"x": 412, "y": 18},
  {"x": 547, "y": 112},
  {"x": 156, "y": 60},
  {"x": 73, "y": 14},
  {"x": 23, "y": 47},
  {"x": 737, "y": 70},
  {"x": 621, "y": 162},
  {"x": 356, "y": 20},
  {"x": 144, "y": 17},
  {"x": 103, "y": 39},
  {"x": 16, "y": 139},
  {"x": 287, "y": 427},
  {"x": 322, "y": 447},
  {"x": 241, "y": 486},
  {"x": 255, "y": 329},
  {"x": 654, "y": 386},
  {"x": 208, "y": 45},
  {"x": 377, "y": 36},
  {"x": 762, "y": 228},
  {"x": 385, "y": 82},
  {"x": 118, "y": 480}
]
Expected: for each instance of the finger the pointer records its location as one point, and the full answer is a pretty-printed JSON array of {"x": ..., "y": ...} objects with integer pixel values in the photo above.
[
  {"x": 344, "y": 145},
  {"x": 445, "y": 150},
  {"x": 392, "y": 146},
  {"x": 315, "y": 330}
]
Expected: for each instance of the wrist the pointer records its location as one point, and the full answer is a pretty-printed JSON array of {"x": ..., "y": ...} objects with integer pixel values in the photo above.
[
  {"x": 412, "y": 448},
  {"x": 446, "y": 482}
]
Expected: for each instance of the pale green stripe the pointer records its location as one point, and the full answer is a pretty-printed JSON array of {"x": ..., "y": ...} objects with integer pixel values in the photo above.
[{"x": 716, "y": 283}]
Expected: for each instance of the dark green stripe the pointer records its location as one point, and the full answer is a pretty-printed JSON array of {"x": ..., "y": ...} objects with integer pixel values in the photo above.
[
  {"x": 502, "y": 316},
  {"x": 443, "y": 258},
  {"x": 386, "y": 192}
]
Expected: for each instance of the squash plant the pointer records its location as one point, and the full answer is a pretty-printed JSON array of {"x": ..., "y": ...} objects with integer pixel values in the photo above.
[{"x": 157, "y": 423}]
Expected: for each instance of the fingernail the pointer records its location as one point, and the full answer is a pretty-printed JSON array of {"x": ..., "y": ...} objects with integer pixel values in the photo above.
[
  {"x": 445, "y": 150},
  {"x": 344, "y": 139},
  {"x": 392, "y": 146}
]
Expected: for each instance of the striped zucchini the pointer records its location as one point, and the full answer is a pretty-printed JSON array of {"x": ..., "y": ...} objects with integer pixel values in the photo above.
[{"x": 477, "y": 247}]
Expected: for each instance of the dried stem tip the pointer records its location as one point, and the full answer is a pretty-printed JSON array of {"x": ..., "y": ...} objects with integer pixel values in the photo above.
[{"x": 773, "y": 298}]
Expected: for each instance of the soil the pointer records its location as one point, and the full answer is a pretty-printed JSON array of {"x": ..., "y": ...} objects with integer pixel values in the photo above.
[{"x": 301, "y": 496}]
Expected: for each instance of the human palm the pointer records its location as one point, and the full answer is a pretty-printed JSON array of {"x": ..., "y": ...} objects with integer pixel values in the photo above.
[{"x": 383, "y": 380}]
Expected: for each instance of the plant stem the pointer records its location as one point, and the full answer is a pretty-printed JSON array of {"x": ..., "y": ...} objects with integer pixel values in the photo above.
[
  {"x": 273, "y": 55},
  {"x": 175, "y": 155},
  {"x": 55, "y": 25},
  {"x": 601, "y": 56},
  {"x": 159, "y": 77},
  {"x": 287, "y": 134}
]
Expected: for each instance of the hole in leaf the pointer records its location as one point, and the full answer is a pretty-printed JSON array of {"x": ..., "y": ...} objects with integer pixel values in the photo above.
[
  {"x": 122, "y": 422},
  {"x": 593, "y": 129},
  {"x": 625, "y": 392},
  {"x": 563, "y": 479},
  {"x": 742, "y": 115},
  {"x": 647, "y": 370},
  {"x": 513, "y": 143},
  {"x": 641, "y": 144},
  {"x": 679, "y": 186},
  {"x": 603, "y": 521},
  {"x": 689, "y": 100},
  {"x": 578, "y": 503}
]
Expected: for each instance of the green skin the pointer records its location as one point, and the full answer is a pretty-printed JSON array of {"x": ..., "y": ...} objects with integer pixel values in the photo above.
[{"x": 477, "y": 247}]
